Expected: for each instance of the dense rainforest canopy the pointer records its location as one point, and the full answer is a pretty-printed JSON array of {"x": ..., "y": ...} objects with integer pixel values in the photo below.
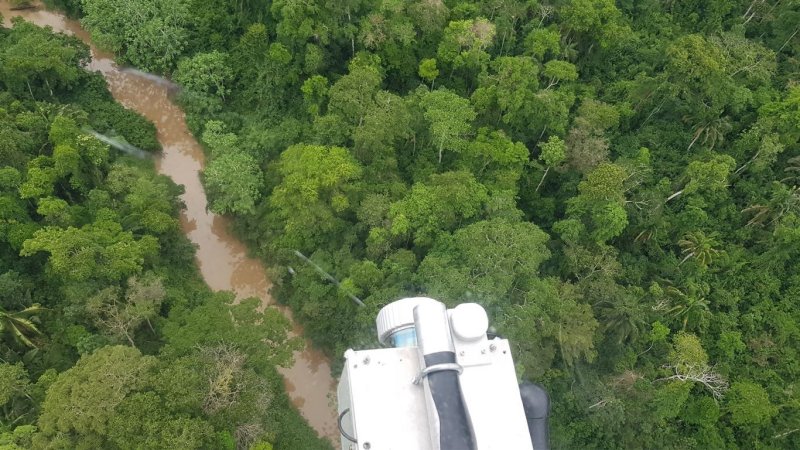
[
  {"x": 616, "y": 182},
  {"x": 109, "y": 338}
]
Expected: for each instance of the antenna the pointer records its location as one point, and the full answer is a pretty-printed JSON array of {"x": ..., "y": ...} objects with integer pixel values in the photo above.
[
  {"x": 123, "y": 146},
  {"x": 328, "y": 276}
]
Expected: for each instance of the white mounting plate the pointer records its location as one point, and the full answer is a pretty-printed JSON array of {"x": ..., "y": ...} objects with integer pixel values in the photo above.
[
  {"x": 387, "y": 409},
  {"x": 491, "y": 395}
]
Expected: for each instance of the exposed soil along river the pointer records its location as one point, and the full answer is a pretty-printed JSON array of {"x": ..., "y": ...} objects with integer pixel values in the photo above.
[{"x": 222, "y": 258}]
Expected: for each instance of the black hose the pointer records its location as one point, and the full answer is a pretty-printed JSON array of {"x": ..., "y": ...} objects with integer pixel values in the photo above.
[
  {"x": 536, "y": 404},
  {"x": 454, "y": 426}
]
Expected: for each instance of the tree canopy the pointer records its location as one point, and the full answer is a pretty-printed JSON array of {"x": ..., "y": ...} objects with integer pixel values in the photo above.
[
  {"x": 109, "y": 338},
  {"x": 616, "y": 181}
]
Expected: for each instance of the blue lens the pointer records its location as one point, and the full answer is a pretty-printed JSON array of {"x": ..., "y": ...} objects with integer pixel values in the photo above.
[{"x": 405, "y": 338}]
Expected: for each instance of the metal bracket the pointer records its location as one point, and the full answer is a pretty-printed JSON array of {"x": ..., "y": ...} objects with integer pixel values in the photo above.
[
  {"x": 341, "y": 429},
  {"x": 438, "y": 368}
]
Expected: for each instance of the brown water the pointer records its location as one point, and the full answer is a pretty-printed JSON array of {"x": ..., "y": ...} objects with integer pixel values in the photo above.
[{"x": 222, "y": 258}]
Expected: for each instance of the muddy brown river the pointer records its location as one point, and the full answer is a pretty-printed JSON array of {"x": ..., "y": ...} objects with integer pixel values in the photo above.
[{"x": 222, "y": 258}]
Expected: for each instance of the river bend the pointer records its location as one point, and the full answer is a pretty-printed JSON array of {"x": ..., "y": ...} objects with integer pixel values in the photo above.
[{"x": 222, "y": 259}]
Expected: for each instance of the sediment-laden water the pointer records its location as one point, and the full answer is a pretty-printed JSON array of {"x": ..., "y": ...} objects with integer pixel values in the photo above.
[{"x": 222, "y": 258}]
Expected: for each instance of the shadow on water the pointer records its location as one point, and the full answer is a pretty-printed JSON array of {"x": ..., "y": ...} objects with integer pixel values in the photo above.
[
  {"x": 119, "y": 144},
  {"x": 168, "y": 84}
]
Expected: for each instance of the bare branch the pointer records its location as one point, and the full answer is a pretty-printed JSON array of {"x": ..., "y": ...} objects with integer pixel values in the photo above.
[
  {"x": 785, "y": 433},
  {"x": 703, "y": 374},
  {"x": 247, "y": 435},
  {"x": 224, "y": 384},
  {"x": 601, "y": 403}
]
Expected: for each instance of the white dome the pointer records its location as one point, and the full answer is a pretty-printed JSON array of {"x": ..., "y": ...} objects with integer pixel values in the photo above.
[{"x": 397, "y": 315}]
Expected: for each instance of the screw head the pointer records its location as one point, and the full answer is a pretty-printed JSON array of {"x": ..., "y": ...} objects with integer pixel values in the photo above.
[
  {"x": 366, "y": 360},
  {"x": 493, "y": 347}
]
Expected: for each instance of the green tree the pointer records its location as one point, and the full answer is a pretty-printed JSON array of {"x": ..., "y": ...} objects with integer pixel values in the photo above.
[
  {"x": 260, "y": 334},
  {"x": 705, "y": 177},
  {"x": 496, "y": 160},
  {"x": 601, "y": 202},
  {"x": 557, "y": 71},
  {"x": 749, "y": 405},
  {"x": 598, "y": 20},
  {"x": 316, "y": 187},
  {"x": 428, "y": 70},
  {"x": 315, "y": 92},
  {"x": 464, "y": 43},
  {"x": 100, "y": 250},
  {"x": 219, "y": 140},
  {"x": 151, "y": 34},
  {"x": 505, "y": 263},
  {"x": 120, "y": 317},
  {"x": 509, "y": 87},
  {"x": 553, "y": 153},
  {"x": 443, "y": 203},
  {"x": 250, "y": 52},
  {"x": 234, "y": 182},
  {"x": 551, "y": 321},
  {"x": 542, "y": 41},
  {"x": 385, "y": 127},
  {"x": 207, "y": 73},
  {"x": 145, "y": 204},
  {"x": 141, "y": 419},
  {"x": 549, "y": 111},
  {"x": 34, "y": 58},
  {"x": 81, "y": 403},
  {"x": 353, "y": 94},
  {"x": 450, "y": 119},
  {"x": 14, "y": 384},
  {"x": 696, "y": 69}
]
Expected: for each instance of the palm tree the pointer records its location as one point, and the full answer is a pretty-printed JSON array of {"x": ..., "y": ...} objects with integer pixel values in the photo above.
[
  {"x": 17, "y": 324},
  {"x": 712, "y": 130},
  {"x": 623, "y": 318},
  {"x": 792, "y": 170},
  {"x": 691, "y": 308},
  {"x": 700, "y": 247},
  {"x": 784, "y": 201}
]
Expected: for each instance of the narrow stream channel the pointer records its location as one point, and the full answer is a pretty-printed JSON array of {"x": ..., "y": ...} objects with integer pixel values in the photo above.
[{"x": 222, "y": 258}]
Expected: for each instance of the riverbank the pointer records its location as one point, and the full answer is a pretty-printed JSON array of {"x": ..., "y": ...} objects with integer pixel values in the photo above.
[{"x": 222, "y": 259}]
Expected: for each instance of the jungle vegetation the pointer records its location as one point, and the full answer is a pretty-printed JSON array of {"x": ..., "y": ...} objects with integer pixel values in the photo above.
[
  {"x": 109, "y": 338},
  {"x": 615, "y": 181}
]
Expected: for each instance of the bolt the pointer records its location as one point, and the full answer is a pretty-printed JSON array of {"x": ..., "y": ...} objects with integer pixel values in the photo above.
[{"x": 492, "y": 347}]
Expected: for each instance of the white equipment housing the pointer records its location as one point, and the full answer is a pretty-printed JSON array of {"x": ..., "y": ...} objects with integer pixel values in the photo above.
[{"x": 384, "y": 395}]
